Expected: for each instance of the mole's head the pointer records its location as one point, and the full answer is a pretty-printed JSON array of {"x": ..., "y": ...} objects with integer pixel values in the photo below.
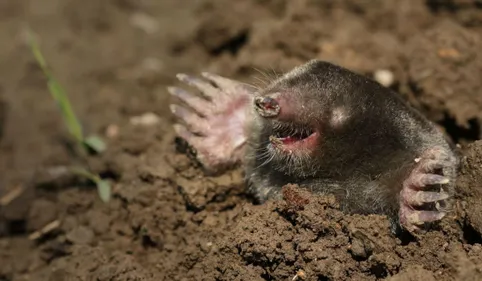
[{"x": 301, "y": 115}]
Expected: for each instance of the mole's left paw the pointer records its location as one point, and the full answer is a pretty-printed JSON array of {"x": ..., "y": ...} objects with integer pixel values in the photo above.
[
  {"x": 425, "y": 191},
  {"x": 214, "y": 122}
]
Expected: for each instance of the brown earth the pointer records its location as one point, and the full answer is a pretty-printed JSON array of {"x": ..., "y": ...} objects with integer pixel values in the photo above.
[{"x": 167, "y": 221}]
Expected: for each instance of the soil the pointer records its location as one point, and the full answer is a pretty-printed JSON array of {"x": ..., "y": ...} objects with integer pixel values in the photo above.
[{"x": 169, "y": 221}]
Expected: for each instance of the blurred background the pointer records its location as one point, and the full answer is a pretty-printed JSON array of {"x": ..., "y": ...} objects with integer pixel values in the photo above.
[{"x": 115, "y": 59}]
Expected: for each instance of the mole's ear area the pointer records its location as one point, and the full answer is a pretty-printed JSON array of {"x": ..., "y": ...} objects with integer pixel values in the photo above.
[{"x": 213, "y": 123}]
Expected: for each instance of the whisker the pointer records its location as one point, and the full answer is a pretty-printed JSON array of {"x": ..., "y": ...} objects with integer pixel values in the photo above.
[
  {"x": 252, "y": 86},
  {"x": 264, "y": 73},
  {"x": 268, "y": 160},
  {"x": 275, "y": 74},
  {"x": 261, "y": 81}
]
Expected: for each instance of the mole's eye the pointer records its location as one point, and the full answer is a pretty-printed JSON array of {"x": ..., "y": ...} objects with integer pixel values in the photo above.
[{"x": 266, "y": 106}]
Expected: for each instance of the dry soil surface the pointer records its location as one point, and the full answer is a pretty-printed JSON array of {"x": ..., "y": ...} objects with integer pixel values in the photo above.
[{"x": 168, "y": 221}]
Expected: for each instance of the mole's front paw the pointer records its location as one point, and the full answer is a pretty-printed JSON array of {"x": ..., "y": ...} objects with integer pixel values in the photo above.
[
  {"x": 423, "y": 198},
  {"x": 214, "y": 123}
]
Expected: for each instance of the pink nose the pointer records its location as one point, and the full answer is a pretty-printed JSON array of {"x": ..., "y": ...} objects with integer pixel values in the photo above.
[{"x": 267, "y": 106}]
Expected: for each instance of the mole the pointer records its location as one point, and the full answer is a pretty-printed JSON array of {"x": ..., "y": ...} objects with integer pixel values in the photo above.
[{"x": 326, "y": 129}]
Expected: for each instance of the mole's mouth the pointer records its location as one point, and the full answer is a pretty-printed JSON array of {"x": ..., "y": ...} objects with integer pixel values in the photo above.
[{"x": 295, "y": 139}]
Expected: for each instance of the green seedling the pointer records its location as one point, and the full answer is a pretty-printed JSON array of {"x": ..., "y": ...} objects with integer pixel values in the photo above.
[
  {"x": 103, "y": 187},
  {"x": 92, "y": 143},
  {"x": 95, "y": 143},
  {"x": 60, "y": 96}
]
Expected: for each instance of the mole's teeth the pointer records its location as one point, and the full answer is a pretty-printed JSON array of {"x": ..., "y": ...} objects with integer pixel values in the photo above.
[{"x": 275, "y": 140}]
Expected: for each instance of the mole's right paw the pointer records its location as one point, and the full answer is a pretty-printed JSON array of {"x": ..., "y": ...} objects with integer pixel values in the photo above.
[
  {"x": 214, "y": 124},
  {"x": 425, "y": 191}
]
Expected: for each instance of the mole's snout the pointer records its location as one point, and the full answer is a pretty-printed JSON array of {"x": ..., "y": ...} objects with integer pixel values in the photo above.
[{"x": 267, "y": 106}]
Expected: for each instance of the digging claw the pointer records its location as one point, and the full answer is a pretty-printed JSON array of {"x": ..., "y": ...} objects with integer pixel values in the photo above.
[
  {"x": 198, "y": 104},
  {"x": 182, "y": 132},
  {"x": 431, "y": 179},
  {"x": 204, "y": 86},
  {"x": 195, "y": 123},
  {"x": 421, "y": 217},
  {"x": 425, "y": 192},
  {"x": 423, "y": 197}
]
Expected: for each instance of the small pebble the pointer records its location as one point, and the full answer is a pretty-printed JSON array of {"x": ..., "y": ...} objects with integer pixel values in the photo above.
[
  {"x": 146, "y": 119},
  {"x": 384, "y": 77},
  {"x": 112, "y": 131}
]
